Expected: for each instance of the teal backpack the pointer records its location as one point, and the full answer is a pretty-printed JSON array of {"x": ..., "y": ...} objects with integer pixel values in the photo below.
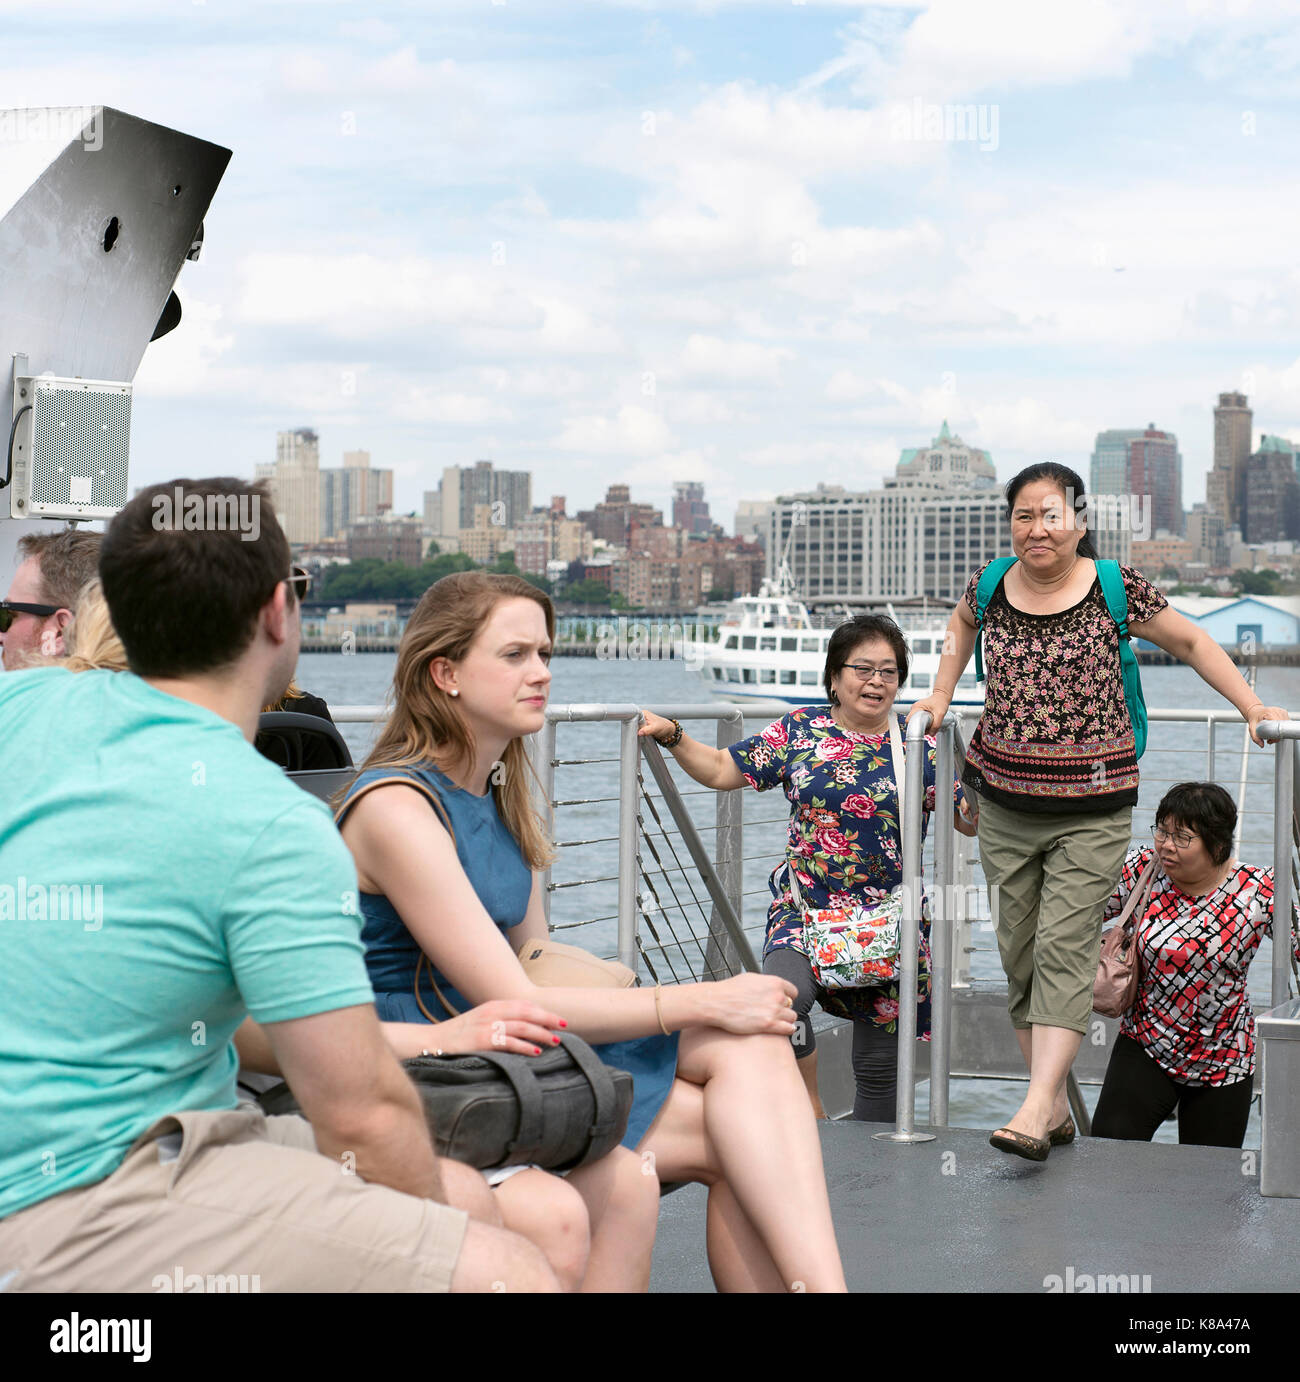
[{"x": 1112, "y": 588}]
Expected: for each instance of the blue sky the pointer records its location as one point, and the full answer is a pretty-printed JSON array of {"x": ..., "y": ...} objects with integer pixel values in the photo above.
[{"x": 659, "y": 241}]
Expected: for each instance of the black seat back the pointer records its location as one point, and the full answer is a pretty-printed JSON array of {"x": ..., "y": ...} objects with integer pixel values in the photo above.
[{"x": 285, "y": 737}]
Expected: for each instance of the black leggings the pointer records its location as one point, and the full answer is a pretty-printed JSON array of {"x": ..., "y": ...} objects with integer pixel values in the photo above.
[
  {"x": 875, "y": 1051},
  {"x": 1138, "y": 1096}
]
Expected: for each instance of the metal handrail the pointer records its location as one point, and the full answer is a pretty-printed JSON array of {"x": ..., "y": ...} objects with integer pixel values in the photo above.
[{"x": 950, "y": 927}]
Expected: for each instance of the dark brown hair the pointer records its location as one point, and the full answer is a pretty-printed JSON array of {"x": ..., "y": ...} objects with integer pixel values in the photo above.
[
  {"x": 68, "y": 561},
  {"x": 857, "y": 630},
  {"x": 185, "y": 600}
]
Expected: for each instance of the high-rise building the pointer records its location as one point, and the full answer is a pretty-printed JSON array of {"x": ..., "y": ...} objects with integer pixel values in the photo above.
[
  {"x": 508, "y": 493},
  {"x": 1156, "y": 476},
  {"x": 295, "y": 484},
  {"x": 1272, "y": 509},
  {"x": 937, "y": 519},
  {"x": 354, "y": 492},
  {"x": 1225, "y": 486},
  {"x": 1137, "y": 465},
  {"x": 690, "y": 511},
  {"x": 1109, "y": 472}
]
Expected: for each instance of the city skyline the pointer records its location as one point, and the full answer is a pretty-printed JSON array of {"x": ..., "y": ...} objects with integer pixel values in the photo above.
[{"x": 744, "y": 243}]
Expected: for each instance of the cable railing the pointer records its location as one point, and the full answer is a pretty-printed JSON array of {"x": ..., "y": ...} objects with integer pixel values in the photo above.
[{"x": 675, "y": 884}]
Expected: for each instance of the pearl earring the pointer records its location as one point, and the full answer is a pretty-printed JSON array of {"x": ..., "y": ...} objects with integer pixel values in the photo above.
[{"x": 454, "y": 692}]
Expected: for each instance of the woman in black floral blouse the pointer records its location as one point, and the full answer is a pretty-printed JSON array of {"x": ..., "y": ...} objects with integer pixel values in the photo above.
[
  {"x": 834, "y": 765},
  {"x": 1188, "y": 1041},
  {"x": 1055, "y": 766}
]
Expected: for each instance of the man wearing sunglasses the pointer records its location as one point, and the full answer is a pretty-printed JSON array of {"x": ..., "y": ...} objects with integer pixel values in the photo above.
[
  {"x": 159, "y": 882},
  {"x": 35, "y": 614}
]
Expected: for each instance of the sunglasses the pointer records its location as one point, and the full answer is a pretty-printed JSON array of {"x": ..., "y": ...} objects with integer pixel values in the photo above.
[
  {"x": 11, "y": 609},
  {"x": 300, "y": 582}
]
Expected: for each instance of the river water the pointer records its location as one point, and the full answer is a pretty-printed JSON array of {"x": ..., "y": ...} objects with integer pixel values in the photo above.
[{"x": 1175, "y": 753}]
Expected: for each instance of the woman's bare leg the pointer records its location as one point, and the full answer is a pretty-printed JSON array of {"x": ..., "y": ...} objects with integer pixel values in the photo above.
[
  {"x": 759, "y": 1135},
  {"x": 621, "y": 1192},
  {"x": 1049, "y": 1053},
  {"x": 679, "y": 1148},
  {"x": 542, "y": 1208}
]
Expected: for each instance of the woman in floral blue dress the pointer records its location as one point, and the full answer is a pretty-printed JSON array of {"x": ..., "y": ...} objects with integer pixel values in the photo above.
[{"x": 844, "y": 843}]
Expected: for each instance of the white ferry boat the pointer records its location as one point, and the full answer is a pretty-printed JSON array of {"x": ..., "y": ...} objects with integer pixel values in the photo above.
[{"x": 768, "y": 648}]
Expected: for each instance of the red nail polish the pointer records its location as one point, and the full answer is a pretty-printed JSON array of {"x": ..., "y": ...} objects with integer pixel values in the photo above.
[
  {"x": 563, "y": 1024},
  {"x": 555, "y": 1041},
  {"x": 537, "y": 1050}
]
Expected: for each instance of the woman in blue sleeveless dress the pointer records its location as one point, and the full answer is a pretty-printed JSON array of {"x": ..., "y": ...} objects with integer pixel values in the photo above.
[{"x": 718, "y": 1098}]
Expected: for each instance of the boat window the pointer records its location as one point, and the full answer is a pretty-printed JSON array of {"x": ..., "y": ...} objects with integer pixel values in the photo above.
[
  {"x": 810, "y": 645},
  {"x": 921, "y": 646},
  {"x": 767, "y": 674},
  {"x": 747, "y": 674},
  {"x": 767, "y": 644},
  {"x": 731, "y": 641},
  {"x": 717, "y": 674},
  {"x": 967, "y": 682},
  {"x": 748, "y": 641},
  {"x": 733, "y": 673},
  {"x": 787, "y": 678},
  {"x": 807, "y": 678},
  {"x": 789, "y": 645},
  {"x": 919, "y": 681}
]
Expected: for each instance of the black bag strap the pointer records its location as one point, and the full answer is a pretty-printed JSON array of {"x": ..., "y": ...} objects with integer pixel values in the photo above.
[
  {"x": 601, "y": 1082},
  {"x": 400, "y": 779}
]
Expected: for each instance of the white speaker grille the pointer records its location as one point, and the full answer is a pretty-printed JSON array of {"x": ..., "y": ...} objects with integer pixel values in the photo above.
[{"x": 81, "y": 434}]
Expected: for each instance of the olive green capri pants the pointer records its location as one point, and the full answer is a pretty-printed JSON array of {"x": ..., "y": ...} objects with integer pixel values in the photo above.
[{"x": 1049, "y": 878}]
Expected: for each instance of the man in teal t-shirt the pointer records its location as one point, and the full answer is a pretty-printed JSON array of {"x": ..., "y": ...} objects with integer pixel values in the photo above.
[{"x": 159, "y": 882}]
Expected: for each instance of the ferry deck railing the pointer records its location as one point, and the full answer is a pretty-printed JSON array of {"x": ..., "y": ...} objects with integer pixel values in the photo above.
[{"x": 664, "y": 925}]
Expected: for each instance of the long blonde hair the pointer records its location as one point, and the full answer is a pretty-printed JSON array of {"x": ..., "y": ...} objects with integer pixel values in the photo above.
[
  {"x": 426, "y": 724},
  {"x": 92, "y": 640}
]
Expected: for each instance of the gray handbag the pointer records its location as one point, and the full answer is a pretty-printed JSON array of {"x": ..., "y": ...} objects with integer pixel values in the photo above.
[{"x": 560, "y": 1110}]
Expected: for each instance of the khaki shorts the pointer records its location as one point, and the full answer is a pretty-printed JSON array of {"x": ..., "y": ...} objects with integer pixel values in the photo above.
[
  {"x": 1049, "y": 878},
  {"x": 230, "y": 1201}
]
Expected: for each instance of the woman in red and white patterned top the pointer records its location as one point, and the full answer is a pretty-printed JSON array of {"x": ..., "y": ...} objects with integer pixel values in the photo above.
[{"x": 1188, "y": 1041}]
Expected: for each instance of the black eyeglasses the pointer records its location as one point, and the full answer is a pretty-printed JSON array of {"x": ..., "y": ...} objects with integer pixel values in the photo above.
[
  {"x": 864, "y": 672},
  {"x": 300, "y": 582},
  {"x": 11, "y": 609}
]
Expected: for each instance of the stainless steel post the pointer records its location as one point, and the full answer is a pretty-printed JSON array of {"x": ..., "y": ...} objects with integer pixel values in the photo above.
[
  {"x": 1283, "y": 804},
  {"x": 728, "y": 852},
  {"x": 1209, "y": 752},
  {"x": 629, "y": 859},
  {"x": 914, "y": 791},
  {"x": 544, "y": 762},
  {"x": 943, "y": 908}
]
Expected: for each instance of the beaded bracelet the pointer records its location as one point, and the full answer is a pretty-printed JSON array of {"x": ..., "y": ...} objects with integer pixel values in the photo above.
[{"x": 674, "y": 739}]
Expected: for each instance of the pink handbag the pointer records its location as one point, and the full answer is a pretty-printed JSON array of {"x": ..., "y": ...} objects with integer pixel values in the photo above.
[{"x": 1115, "y": 988}]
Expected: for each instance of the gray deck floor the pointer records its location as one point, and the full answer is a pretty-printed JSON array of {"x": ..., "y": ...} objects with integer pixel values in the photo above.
[{"x": 958, "y": 1215}]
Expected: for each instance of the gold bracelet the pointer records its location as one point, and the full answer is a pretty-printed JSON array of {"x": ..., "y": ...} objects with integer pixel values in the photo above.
[{"x": 659, "y": 1012}]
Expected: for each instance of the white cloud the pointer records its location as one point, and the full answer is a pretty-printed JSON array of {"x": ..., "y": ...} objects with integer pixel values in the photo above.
[
  {"x": 633, "y": 431},
  {"x": 709, "y": 357}
]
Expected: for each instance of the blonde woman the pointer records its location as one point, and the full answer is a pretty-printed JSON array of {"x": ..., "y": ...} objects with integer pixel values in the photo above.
[{"x": 718, "y": 1098}]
